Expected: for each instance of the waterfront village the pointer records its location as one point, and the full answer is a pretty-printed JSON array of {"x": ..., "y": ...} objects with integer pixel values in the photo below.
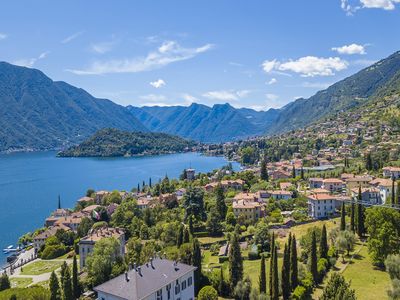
[{"x": 278, "y": 229}]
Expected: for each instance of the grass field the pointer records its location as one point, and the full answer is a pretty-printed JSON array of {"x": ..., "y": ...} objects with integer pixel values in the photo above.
[
  {"x": 18, "y": 282},
  {"x": 41, "y": 267}
]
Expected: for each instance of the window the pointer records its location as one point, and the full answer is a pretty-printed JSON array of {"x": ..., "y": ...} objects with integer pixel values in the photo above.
[
  {"x": 159, "y": 294},
  {"x": 183, "y": 285},
  {"x": 177, "y": 288},
  {"x": 190, "y": 281}
]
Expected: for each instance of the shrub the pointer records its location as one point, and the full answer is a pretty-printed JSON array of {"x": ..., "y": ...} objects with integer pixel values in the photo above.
[
  {"x": 322, "y": 268},
  {"x": 222, "y": 259},
  {"x": 53, "y": 251},
  {"x": 207, "y": 293},
  {"x": 201, "y": 234},
  {"x": 299, "y": 293}
]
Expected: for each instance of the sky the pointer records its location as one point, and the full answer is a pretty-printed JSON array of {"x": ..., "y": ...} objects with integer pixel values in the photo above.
[{"x": 259, "y": 54}]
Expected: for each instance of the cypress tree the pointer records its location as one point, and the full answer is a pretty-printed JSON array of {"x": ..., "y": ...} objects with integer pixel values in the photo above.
[
  {"x": 220, "y": 202},
  {"x": 75, "y": 279},
  {"x": 186, "y": 235},
  {"x": 302, "y": 173},
  {"x": 67, "y": 286},
  {"x": 398, "y": 193},
  {"x": 313, "y": 258},
  {"x": 64, "y": 267},
  {"x": 271, "y": 261},
  {"x": 293, "y": 264},
  {"x": 235, "y": 262},
  {"x": 393, "y": 202},
  {"x": 54, "y": 287},
  {"x": 179, "y": 237},
  {"x": 352, "y": 220},
  {"x": 286, "y": 273},
  {"x": 275, "y": 278},
  {"x": 59, "y": 202},
  {"x": 4, "y": 282},
  {"x": 323, "y": 246},
  {"x": 264, "y": 170},
  {"x": 197, "y": 264},
  {"x": 263, "y": 278},
  {"x": 150, "y": 185},
  {"x": 360, "y": 220},
  {"x": 343, "y": 218},
  {"x": 293, "y": 172}
]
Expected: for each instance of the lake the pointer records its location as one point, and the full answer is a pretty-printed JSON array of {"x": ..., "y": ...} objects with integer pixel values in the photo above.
[{"x": 31, "y": 182}]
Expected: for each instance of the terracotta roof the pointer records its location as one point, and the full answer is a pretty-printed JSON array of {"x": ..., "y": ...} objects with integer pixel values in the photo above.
[
  {"x": 332, "y": 180},
  {"x": 245, "y": 204},
  {"x": 101, "y": 233},
  {"x": 322, "y": 197}
]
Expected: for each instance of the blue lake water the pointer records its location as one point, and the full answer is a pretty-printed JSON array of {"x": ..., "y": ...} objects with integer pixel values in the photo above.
[{"x": 31, "y": 182}]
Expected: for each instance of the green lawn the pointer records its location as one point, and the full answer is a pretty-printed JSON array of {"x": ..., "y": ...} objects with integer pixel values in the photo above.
[
  {"x": 368, "y": 281},
  {"x": 18, "y": 282},
  {"x": 41, "y": 267},
  {"x": 209, "y": 239}
]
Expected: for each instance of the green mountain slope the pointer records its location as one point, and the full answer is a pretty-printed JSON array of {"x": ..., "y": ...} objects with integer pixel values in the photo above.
[
  {"x": 114, "y": 142},
  {"x": 38, "y": 113}
]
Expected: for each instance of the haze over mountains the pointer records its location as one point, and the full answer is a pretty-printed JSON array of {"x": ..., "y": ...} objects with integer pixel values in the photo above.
[{"x": 38, "y": 113}]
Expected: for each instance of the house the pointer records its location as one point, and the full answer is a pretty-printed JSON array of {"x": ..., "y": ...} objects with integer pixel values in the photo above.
[
  {"x": 285, "y": 185},
  {"x": 86, "y": 244},
  {"x": 251, "y": 210},
  {"x": 369, "y": 195},
  {"x": 144, "y": 202},
  {"x": 55, "y": 215},
  {"x": 179, "y": 193},
  {"x": 280, "y": 195},
  {"x": 190, "y": 174},
  {"x": 89, "y": 209},
  {"x": 392, "y": 172},
  {"x": 40, "y": 239},
  {"x": 99, "y": 196},
  {"x": 321, "y": 205},
  {"x": 158, "y": 279},
  {"x": 333, "y": 185},
  {"x": 357, "y": 181},
  {"x": 85, "y": 200},
  {"x": 280, "y": 174},
  {"x": 385, "y": 188},
  {"x": 72, "y": 221},
  {"x": 236, "y": 185},
  {"x": 316, "y": 183}
]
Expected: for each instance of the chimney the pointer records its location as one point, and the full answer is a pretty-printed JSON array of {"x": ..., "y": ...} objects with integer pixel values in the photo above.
[{"x": 126, "y": 277}]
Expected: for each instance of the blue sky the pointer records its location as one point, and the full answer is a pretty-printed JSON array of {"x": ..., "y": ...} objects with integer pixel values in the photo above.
[{"x": 257, "y": 54}]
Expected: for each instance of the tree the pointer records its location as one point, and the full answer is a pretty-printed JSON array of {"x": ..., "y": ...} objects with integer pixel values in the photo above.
[
  {"x": 220, "y": 202},
  {"x": 84, "y": 227},
  {"x": 222, "y": 286},
  {"x": 341, "y": 244},
  {"x": 186, "y": 233},
  {"x": 352, "y": 220},
  {"x": 394, "y": 291},
  {"x": 193, "y": 202},
  {"x": 75, "y": 279},
  {"x": 179, "y": 237},
  {"x": 393, "y": 202},
  {"x": 323, "y": 246},
  {"x": 302, "y": 173},
  {"x": 263, "y": 278},
  {"x": 264, "y": 171},
  {"x": 271, "y": 264},
  {"x": 392, "y": 265},
  {"x": 262, "y": 236},
  {"x": 275, "y": 276},
  {"x": 4, "y": 282},
  {"x": 213, "y": 224},
  {"x": 398, "y": 192},
  {"x": 314, "y": 259},
  {"x": 360, "y": 219},
  {"x": 235, "y": 261},
  {"x": 100, "y": 262},
  {"x": 383, "y": 226},
  {"x": 197, "y": 264},
  {"x": 368, "y": 162},
  {"x": 343, "y": 218},
  {"x": 54, "y": 287},
  {"x": 293, "y": 264},
  {"x": 67, "y": 293},
  {"x": 242, "y": 289},
  {"x": 286, "y": 273},
  {"x": 207, "y": 293},
  {"x": 293, "y": 172},
  {"x": 337, "y": 288}
]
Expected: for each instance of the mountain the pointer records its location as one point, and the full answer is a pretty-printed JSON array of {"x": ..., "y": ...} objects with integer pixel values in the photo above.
[
  {"x": 219, "y": 123},
  {"x": 113, "y": 142},
  {"x": 38, "y": 113},
  {"x": 351, "y": 92}
]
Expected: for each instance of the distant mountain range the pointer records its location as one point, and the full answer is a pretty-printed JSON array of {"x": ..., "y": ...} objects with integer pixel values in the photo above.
[{"x": 38, "y": 113}]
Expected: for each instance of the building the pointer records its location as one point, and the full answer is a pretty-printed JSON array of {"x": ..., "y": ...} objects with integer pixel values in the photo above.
[
  {"x": 385, "y": 188},
  {"x": 316, "y": 183},
  {"x": 280, "y": 195},
  {"x": 249, "y": 209},
  {"x": 190, "y": 174},
  {"x": 357, "y": 181},
  {"x": 226, "y": 185},
  {"x": 40, "y": 239},
  {"x": 72, "y": 221},
  {"x": 369, "y": 195},
  {"x": 321, "y": 205},
  {"x": 99, "y": 196},
  {"x": 144, "y": 202},
  {"x": 333, "y": 185},
  {"x": 86, "y": 244},
  {"x": 392, "y": 172},
  {"x": 156, "y": 280}
]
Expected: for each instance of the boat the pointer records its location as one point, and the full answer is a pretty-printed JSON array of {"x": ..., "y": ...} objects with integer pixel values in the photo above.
[{"x": 10, "y": 249}]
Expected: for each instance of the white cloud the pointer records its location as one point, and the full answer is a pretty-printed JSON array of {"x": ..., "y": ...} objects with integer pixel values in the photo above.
[
  {"x": 30, "y": 62},
  {"x": 350, "y": 7},
  {"x": 350, "y": 49},
  {"x": 158, "y": 83},
  {"x": 316, "y": 85},
  {"x": 189, "y": 98},
  {"x": 102, "y": 47},
  {"x": 3, "y": 36},
  {"x": 169, "y": 52},
  {"x": 308, "y": 66},
  {"x": 71, "y": 37},
  {"x": 226, "y": 95},
  {"x": 272, "y": 81},
  {"x": 363, "y": 62}
]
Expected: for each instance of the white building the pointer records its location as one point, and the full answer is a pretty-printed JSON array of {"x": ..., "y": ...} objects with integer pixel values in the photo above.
[
  {"x": 321, "y": 205},
  {"x": 369, "y": 195},
  {"x": 86, "y": 244},
  {"x": 392, "y": 172},
  {"x": 160, "y": 279}
]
